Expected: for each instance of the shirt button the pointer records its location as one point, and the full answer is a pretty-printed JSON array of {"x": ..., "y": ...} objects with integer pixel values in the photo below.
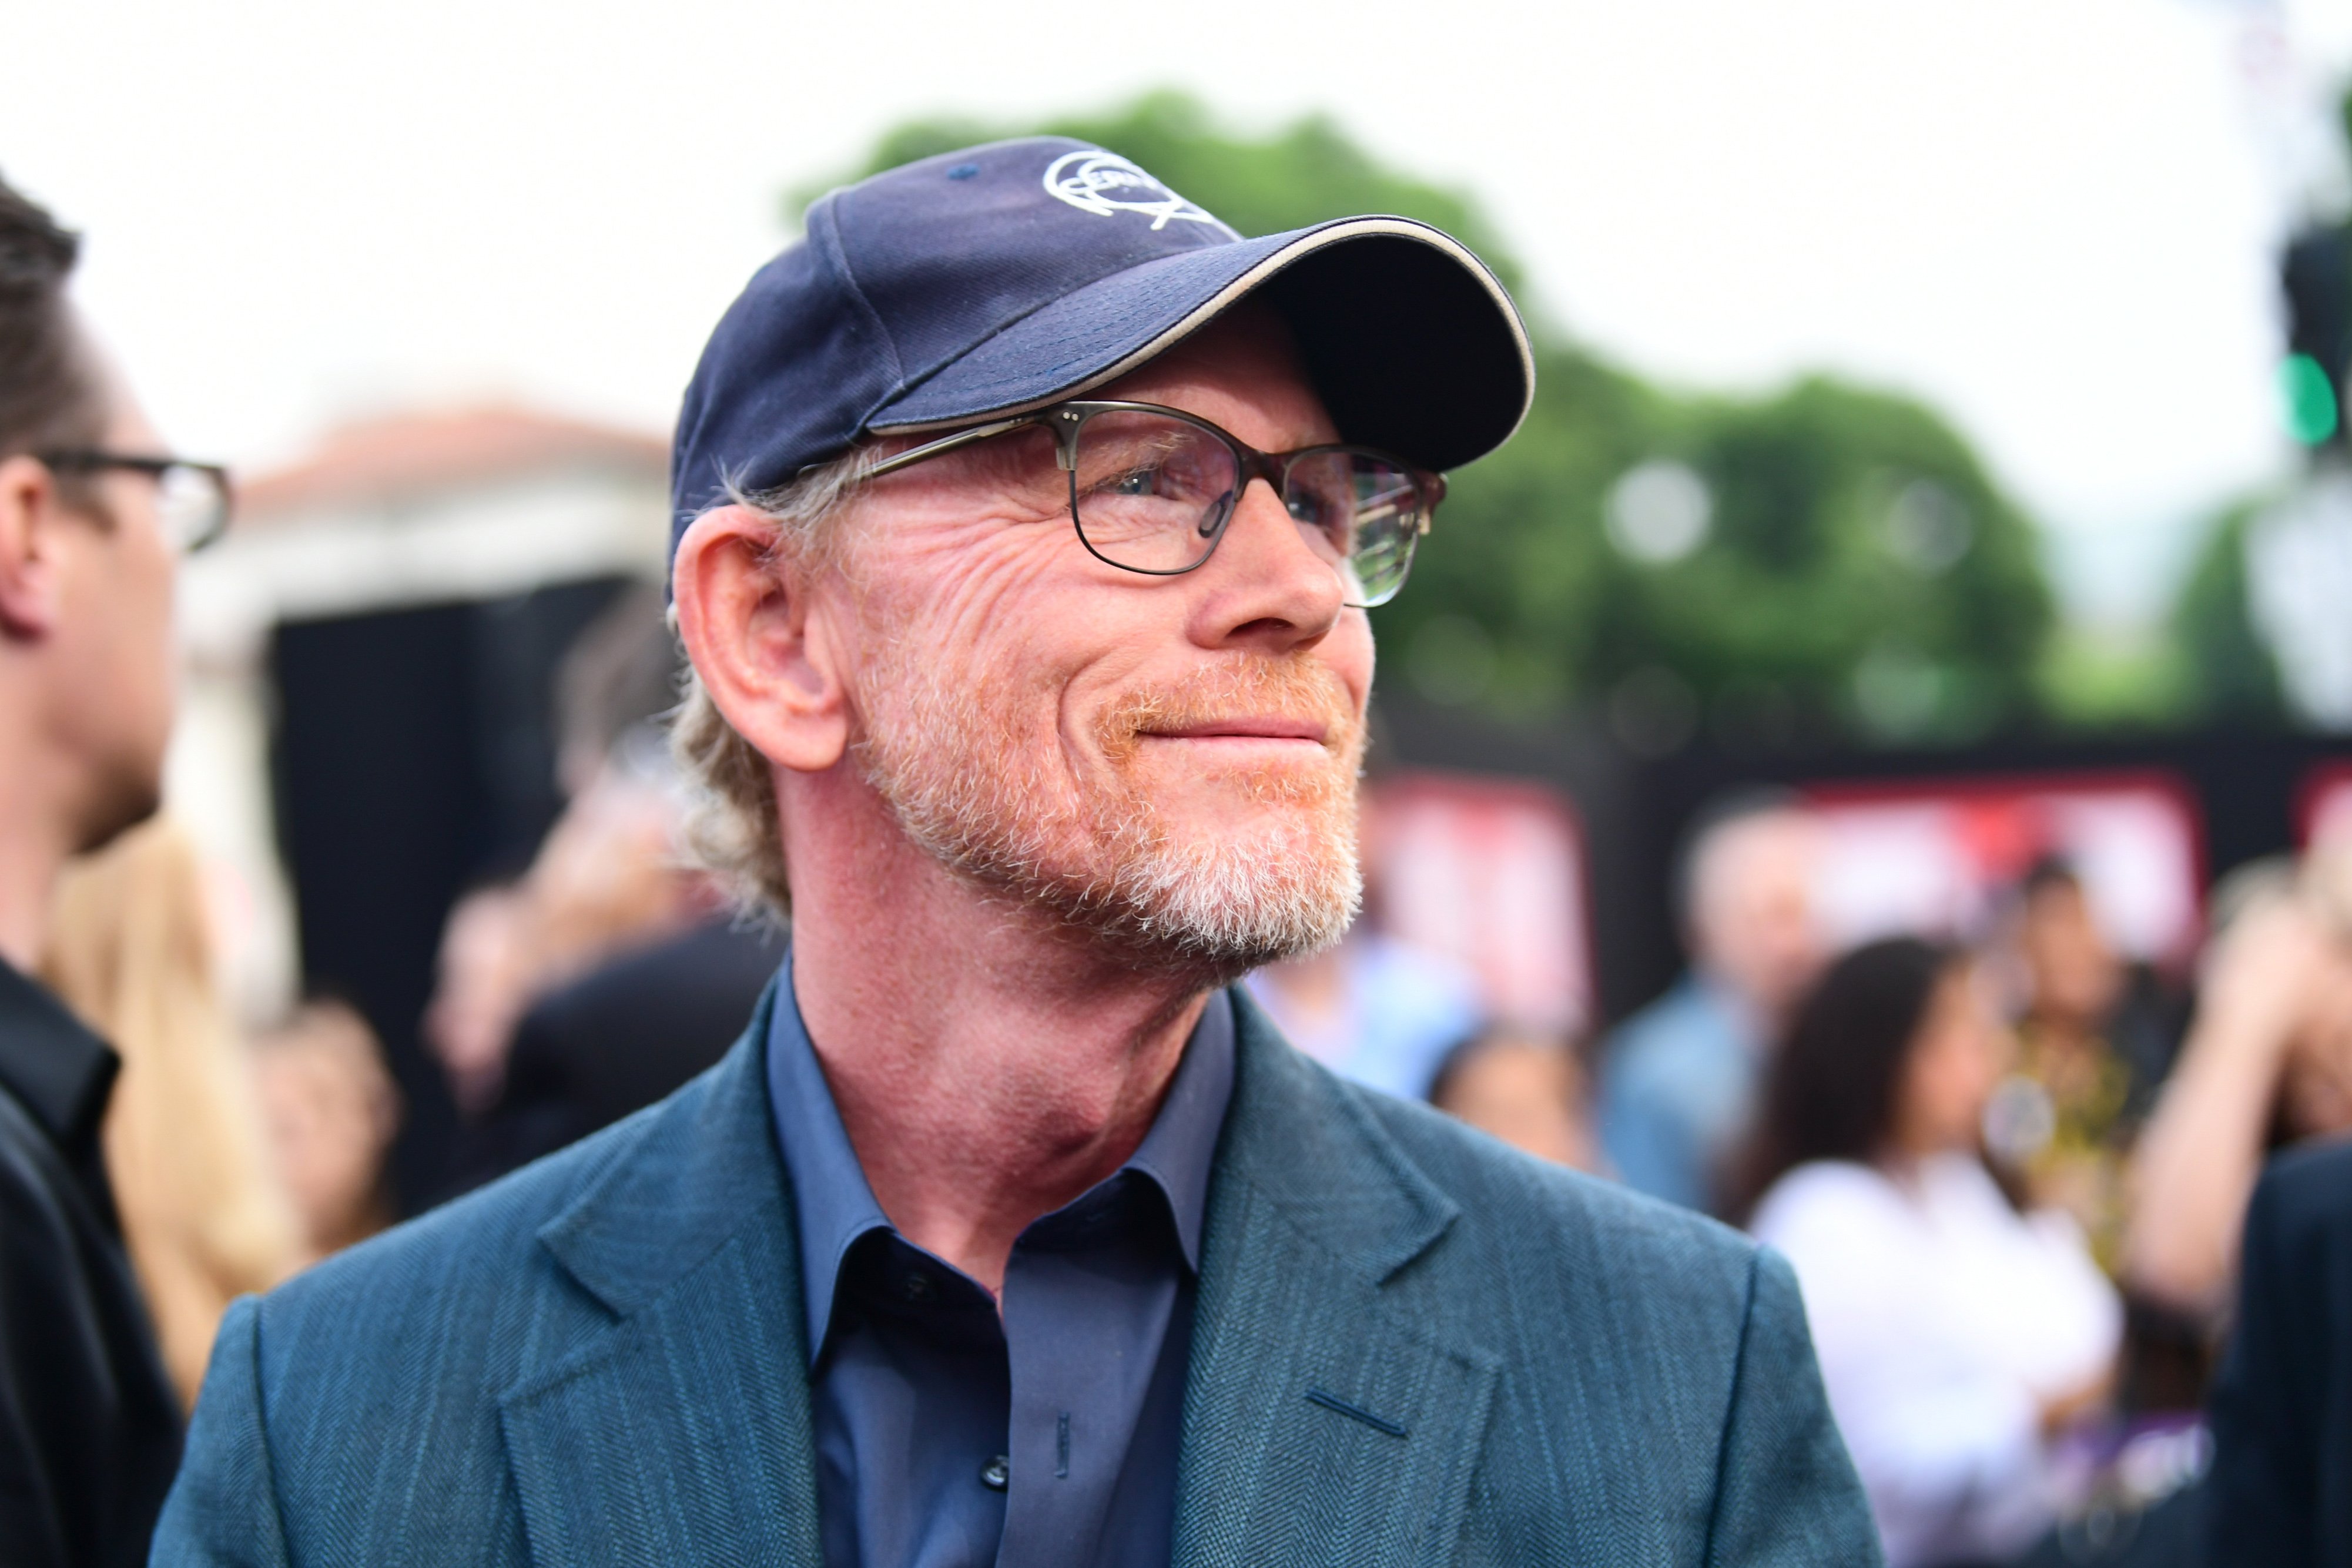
[
  {"x": 919, "y": 1288},
  {"x": 997, "y": 1474}
]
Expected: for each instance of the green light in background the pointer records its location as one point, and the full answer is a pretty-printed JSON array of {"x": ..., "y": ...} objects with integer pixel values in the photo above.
[{"x": 2311, "y": 411}]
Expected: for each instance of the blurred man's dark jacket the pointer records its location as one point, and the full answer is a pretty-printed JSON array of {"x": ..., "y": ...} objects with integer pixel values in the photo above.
[
  {"x": 2281, "y": 1490},
  {"x": 621, "y": 1037},
  {"x": 89, "y": 1428}
]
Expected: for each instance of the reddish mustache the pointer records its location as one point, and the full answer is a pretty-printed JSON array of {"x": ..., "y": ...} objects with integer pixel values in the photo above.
[{"x": 1259, "y": 698}]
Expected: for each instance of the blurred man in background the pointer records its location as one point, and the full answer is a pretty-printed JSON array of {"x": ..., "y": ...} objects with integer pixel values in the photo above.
[
  {"x": 613, "y": 969},
  {"x": 92, "y": 513},
  {"x": 2093, "y": 1045},
  {"x": 2282, "y": 1408},
  {"x": 2269, "y": 1063},
  {"x": 1678, "y": 1078}
]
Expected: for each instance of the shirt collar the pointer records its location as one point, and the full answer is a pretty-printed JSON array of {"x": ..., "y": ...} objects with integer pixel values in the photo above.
[
  {"x": 834, "y": 1206},
  {"x": 59, "y": 1069}
]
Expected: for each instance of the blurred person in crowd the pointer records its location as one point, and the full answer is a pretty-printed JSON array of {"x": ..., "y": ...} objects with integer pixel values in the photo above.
[
  {"x": 612, "y": 872},
  {"x": 608, "y": 879},
  {"x": 663, "y": 994},
  {"x": 331, "y": 1110},
  {"x": 2094, "y": 1047},
  {"x": 129, "y": 950},
  {"x": 1027, "y": 522},
  {"x": 624, "y": 1036},
  {"x": 93, "y": 511},
  {"x": 482, "y": 982},
  {"x": 2267, "y": 1064},
  {"x": 1525, "y": 1086},
  {"x": 1678, "y": 1078},
  {"x": 1956, "y": 1335},
  {"x": 645, "y": 973},
  {"x": 1382, "y": 1011},
  {"x": 2280, "y": 1493},
  {"x": 621, "y": 673}
]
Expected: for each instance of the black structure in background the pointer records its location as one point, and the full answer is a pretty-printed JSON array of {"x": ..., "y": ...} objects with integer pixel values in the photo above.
[
  {"x": 414, "y": 756},
  {"x": 1635, "y": 810}
]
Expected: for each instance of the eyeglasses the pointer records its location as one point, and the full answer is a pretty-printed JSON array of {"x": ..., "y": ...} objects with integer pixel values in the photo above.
[
  {"x": 195, "y": 498},
  {"x": 1153, "y": 489}
]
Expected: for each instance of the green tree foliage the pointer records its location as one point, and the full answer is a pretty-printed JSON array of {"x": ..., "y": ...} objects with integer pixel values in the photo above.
[
  {"x": 1842, "y": 562},
  {"x": 2231, "y": 671}
]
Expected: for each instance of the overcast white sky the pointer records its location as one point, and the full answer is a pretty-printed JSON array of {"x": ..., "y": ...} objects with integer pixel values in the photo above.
[{"x": 2055, "y": 219}]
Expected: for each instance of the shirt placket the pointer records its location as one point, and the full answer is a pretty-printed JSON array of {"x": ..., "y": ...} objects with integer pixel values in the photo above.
[{"x": 1088, "y": 1295}]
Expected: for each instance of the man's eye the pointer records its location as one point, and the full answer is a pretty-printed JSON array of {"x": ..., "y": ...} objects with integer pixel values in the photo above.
[
  {"x": 1136, "y": 482},
  {"x": 1305, "y": 507}
]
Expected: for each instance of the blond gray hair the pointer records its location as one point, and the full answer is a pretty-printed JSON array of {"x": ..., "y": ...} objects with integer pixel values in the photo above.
[{"x": 733, "y": 828}]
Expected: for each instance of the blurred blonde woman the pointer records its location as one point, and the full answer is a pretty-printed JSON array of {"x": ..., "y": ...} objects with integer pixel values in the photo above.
[{"x": 129, "y": 951}]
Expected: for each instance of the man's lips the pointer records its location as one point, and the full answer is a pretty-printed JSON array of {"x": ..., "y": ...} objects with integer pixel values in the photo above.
[{"x": 1248, "y": 729}]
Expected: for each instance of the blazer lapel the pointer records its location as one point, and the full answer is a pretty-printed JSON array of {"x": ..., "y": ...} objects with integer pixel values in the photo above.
[
  {"x": 681, "y": 1432},
  {"x": 1319, "y": 1426}
]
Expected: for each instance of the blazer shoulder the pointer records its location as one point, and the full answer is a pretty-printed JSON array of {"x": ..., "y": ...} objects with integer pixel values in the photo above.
[{"x": 1667, "y": 1352}]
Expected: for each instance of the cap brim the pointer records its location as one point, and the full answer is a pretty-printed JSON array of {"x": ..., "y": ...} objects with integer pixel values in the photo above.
[{"x": 1414, "y": 345}]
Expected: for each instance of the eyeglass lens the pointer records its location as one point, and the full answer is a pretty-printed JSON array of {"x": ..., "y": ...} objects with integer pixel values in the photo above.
[
  {"x": 191, "y": 507},
  {"x": 1153, "y": 494}
]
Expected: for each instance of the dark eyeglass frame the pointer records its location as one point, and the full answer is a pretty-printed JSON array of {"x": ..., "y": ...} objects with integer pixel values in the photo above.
[
  {"x": 96, "y": 462},
  {"x": 1065, "y": 420}
]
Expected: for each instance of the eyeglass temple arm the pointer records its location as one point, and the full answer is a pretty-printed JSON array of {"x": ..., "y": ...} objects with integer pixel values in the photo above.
[{"x": 962, "y": 438}]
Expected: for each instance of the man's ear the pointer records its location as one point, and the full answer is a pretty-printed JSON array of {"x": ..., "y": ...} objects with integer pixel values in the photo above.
[
  {"x": 30, "y": 589},
  {"x": 767, "y": 654}
]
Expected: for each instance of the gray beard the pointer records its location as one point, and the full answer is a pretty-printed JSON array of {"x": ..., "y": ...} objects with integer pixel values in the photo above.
[{"x": 952, "y": 770}]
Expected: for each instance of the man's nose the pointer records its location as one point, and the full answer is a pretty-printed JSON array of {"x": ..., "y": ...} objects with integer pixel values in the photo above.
[{"x": 1267, "y": 585}]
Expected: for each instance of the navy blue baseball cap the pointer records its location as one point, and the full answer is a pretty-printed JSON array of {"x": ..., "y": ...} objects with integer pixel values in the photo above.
[{"x": 1006, "y": 278}]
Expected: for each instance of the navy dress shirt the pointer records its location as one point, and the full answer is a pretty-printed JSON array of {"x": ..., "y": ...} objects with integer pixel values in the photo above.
[{"x": 951, "y": 1436}]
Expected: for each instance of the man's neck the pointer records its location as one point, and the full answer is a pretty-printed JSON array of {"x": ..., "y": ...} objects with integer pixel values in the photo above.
[
  {"x": 34, "y": 848},
  {"x": 988, "y": 1067}
]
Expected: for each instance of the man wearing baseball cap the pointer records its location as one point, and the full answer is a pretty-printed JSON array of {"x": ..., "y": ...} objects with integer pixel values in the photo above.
[{"x": 1027, "y": 518}]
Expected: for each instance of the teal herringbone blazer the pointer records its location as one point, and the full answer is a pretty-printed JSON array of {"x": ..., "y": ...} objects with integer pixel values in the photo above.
[{"x": 1411, "y": 1345}]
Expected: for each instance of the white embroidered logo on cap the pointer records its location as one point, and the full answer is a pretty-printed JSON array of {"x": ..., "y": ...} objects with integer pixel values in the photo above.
[{"x": 1101, "y": 182}]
